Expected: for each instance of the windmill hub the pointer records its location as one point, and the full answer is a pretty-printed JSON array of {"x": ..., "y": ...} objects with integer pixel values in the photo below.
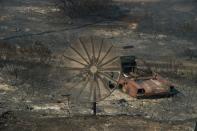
[{"x": 93, "y": 69}]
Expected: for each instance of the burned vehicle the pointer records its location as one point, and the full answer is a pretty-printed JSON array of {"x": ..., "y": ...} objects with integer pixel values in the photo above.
[{"x": 142, "y": 82}]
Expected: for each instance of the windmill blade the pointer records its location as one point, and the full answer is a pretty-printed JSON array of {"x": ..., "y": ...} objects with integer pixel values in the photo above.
[
  {"x": 72, "y": 59},
  {"x": 85, "y": 49},
  {"x": 106, "y": 54},
  {"x": 99, "y": 53},
  {"x": 79, "y": 54},
  {"x": 110, "y": 69},
  {"x": 109, "y": 61}
]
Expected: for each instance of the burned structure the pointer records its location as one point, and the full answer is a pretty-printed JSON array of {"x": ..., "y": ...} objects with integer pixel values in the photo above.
[{"x": 142, "y": 83}]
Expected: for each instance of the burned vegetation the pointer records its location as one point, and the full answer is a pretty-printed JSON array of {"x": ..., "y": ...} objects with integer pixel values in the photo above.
[
  {"x": 37, "y": 52},
  {"x": 90, "y": 9},
  {"x": 16, "y": 61}
]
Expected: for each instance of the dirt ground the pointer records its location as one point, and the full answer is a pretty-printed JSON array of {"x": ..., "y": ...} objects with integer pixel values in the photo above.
[
  {"x": 92, "y": 123},
  {"x": 159, "y": 30}
]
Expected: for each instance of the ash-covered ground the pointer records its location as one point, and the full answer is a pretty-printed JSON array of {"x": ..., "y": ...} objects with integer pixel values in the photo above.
[{"x": 161, "y": 32}]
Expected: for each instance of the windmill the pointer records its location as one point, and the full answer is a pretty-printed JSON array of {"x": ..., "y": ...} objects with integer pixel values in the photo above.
[{"x": 94, "y": 68}]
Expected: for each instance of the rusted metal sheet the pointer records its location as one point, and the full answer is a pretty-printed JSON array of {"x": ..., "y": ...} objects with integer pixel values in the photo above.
[{"x": 155, "y": 86}]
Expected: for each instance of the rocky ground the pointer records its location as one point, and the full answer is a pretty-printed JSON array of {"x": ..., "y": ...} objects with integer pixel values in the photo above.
[{"x": 159, "y": 31}]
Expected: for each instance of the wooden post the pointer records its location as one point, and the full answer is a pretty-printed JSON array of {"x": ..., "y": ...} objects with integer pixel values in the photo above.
[{"x": 94, "y": 108}]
